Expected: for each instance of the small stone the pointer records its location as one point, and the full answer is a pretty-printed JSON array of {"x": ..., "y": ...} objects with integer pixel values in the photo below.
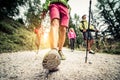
[{"x": 90, "y": 62}]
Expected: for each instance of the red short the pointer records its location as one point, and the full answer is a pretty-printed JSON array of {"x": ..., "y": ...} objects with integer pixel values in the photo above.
[{"x": 61, "y": 12}]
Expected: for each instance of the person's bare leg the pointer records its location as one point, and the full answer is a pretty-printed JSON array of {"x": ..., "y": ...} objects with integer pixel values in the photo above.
[
  {"x": 52, "y": 59},
  {"x": 91, "y": 42},
  {"x": 62, "y": 37},
  {"x": 53, "y": 36}
]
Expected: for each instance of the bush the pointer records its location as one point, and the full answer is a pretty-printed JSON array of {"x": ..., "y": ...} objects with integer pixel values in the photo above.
[
  {"x": 15, "y": 37},
  {"x": 6, "y": 28},
  {"x": 115, "y": 49}
]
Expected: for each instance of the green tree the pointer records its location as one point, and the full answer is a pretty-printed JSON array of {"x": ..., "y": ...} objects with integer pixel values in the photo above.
[
  {"x": 109, "y": 11},
  {"x": 33, "y": 14},
  {"x": 10, "y": 7}
]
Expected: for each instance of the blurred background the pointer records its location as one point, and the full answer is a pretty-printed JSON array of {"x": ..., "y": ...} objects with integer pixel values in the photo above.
[{"x": 19, "y": 17}]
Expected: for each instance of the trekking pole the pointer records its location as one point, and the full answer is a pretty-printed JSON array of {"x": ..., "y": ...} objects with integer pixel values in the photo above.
[{"x": 88, "y": 31}]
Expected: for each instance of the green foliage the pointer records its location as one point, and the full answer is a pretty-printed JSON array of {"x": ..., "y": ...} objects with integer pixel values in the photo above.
[
  {"x": 20, "y": 20},
  {"x": 17, "y": 39},
  {"x": 9, "y": 28},
  {"x": 109, "y": 11},
  {"x": 6, "y": 28},
  {"x": 33, "y": 13},
  {"x": 112, "y": 47},
  {"x": 10, "y": 7},
  {"x": 114, "y": 51}
]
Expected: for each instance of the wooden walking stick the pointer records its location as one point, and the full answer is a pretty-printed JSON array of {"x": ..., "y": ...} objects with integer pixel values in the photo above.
[{"x": 88, "y": 31}]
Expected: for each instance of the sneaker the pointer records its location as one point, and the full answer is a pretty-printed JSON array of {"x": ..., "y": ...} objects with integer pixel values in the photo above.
[
  {"x": 61, "y": 55},
  {"x": 51, "y": 60},
  {"x": 92, "y": 52}
]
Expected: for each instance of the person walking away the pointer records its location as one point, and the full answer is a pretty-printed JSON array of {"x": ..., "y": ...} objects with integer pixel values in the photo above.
[
  {"x": 72, "y": 37},
  {"x": 84, "y": 29},
  {"x": 59, "y": 16}
]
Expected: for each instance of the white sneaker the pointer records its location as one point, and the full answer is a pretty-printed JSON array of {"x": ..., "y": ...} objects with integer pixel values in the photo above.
[{"x": 92, "y": 52}]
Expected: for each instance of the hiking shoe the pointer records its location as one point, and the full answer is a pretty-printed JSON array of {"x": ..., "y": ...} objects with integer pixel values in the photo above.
[
  {"x": 51, "y": 60},
  {"x": 61, "y": 55},
  {"x": 92, "y": 52}
]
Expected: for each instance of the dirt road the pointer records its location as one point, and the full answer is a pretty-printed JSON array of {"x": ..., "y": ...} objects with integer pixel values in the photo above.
[{"x": 27, "y": 66}]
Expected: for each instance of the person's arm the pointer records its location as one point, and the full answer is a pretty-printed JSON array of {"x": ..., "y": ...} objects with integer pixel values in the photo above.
[{"x": 92, "y": 28}]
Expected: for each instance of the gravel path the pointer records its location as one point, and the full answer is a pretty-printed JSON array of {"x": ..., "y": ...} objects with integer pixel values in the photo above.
[{"x": 27, "y": 66}]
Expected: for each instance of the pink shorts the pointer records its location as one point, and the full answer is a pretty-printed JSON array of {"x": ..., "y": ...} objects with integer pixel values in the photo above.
[{"x": 61, "y": 12}]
